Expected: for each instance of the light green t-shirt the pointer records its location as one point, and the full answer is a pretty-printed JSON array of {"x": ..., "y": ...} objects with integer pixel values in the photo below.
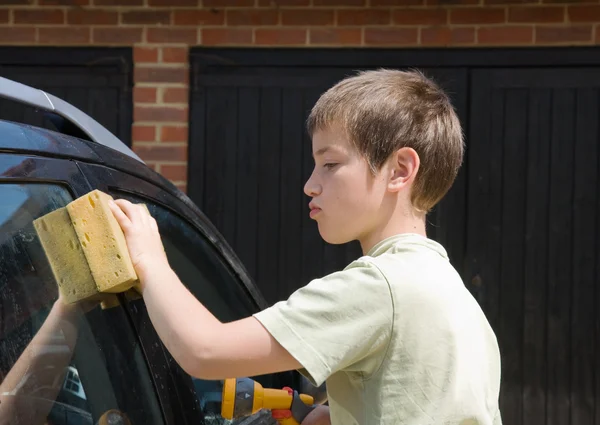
[{"x": 397, "y": 337}]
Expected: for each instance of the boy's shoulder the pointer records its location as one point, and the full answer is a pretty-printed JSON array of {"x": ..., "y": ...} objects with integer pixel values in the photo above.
[{"x": 408, "y": 259}]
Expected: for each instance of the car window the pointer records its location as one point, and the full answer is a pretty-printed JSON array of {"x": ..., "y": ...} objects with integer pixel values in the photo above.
[
  {"x": 60, "y": 365},
  {"x": 205, "y": 273}
]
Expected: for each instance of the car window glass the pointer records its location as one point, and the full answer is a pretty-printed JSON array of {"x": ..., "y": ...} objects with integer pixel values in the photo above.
[
  {"x": 205, "y": 273},
  {"x": 60, "y": 365}
]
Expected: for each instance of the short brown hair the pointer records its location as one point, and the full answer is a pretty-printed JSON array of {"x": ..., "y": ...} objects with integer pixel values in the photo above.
[{"x": 384, "y": 110}]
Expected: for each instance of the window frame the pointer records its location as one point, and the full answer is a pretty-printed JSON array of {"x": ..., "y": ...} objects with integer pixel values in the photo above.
[
  {"x": 21, "y": 168},
  {"x": 175, "y": 388}
]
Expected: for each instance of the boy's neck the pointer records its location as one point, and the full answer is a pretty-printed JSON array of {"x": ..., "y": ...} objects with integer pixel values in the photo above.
[{"x": 411, "y": 224}]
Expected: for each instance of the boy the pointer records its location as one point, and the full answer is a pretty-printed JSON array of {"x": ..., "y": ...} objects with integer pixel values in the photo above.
[{"x": 396, "y": 335}]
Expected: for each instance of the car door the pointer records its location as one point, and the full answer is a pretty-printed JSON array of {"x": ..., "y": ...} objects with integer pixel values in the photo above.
[
  {"x": 59, "y": 365},
  {"x": 210, "y": 270}
]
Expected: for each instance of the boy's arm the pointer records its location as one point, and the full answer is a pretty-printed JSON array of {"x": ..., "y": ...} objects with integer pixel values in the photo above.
[
  {"x": 203, "y": 346},
  {"x": 45, "y": 372}
]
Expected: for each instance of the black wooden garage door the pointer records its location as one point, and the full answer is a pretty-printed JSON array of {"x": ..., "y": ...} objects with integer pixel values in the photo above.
[
  {"x": 520, "y": 223},
  {"x": 533, "y": 235},
  {"x": 98, "y": 81}
]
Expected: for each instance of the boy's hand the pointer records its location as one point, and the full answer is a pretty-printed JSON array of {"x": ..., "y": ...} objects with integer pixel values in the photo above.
[
  {"x": 142, "y": 236},
  {"x": 319, "y": 416}
]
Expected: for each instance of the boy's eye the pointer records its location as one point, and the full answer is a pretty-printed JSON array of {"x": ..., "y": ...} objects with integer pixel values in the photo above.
[{"x": 330, "y": 165}]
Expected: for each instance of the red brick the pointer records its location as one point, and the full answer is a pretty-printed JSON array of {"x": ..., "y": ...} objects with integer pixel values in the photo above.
[
  {"x": 145, "y": 94},
  {"x": 450, "y": 2},
  {"x": 145, "y": 54},
  {"x": 335, "y": 36},
  {"x": 118, "y": 2},
  {"x": 92, "y": 17},
  {"x": 68, "y": 35},
  {"x": 146, "y": 17},
  {"x": 364, "y": 17},
  {"x": 172, "y": 3},
  {"x": 226, "y": 3},
  {"x": 172, "y": 35},
  {"x": 154, "y": 166},
  {"x": 420, "y": 17},
  {"x": 4, "y": 16},
  {"x": 282, "y": 3},
  {"x": 254, "y": 17},
  {"x": 39, "y": 16},
  {"x": 284, "y": 36},
  {"x": 447, "y": 36},
  {"x": 307, "y": 17},
  {"x": 564, "y": 1},
  {"x": 508, "y": 35},
  {"x": 568, "y": 34},
  {"x": 20, "y": 35},
  {"x": 161, "y": 114},
  {"x": 174, "y": 54},
  {"x": 117, "y": 35},
  {"x": 175, "y": 95},
  {"x": 174, "y": 172},
  {"x": 159, "y": 152},
  {"x": 62, "y": 2},
  {"x": 584, "y": 13},
  {"x": 536, "y": 14},
  {"x": 396, "y": 2},
  {"x": 16, "y": 2},
  {"x": 496, "y": 2},
  {"x": 199, "y": 17},
  {"x": 143, "y": 133},
  {"x": 392, "y": 36},
  {"x": 597, "y": 35},
  {"x": 145, "y": 74},
  {"x": 174, "y": 134},
  {"x": 339, "y": 2},
  {"x": 477, "y": 15},
  {"x": 218, "y": 36}
]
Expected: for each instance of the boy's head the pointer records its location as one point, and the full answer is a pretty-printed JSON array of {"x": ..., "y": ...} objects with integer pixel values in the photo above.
[{"x": 384, "y": 112}]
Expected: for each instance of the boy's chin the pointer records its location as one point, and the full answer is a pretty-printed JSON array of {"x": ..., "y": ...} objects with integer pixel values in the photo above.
[{"x": 334, "y": 238}]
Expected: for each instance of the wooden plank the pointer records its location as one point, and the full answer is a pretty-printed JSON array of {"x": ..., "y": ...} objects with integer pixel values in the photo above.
[
  {"x": 512, "y": 250},
  {"x": 536, "y": 260},
  {"x": 197, "y": 146},
  {"x": 559, "y": 260},
  {"x": 596, "y": 296},
  {"x": 221, "y": 136},
  {"x": 269, "y": 176},
  {"x": 291, "y": 195},
  {"x": 246, "y": 185},
  {"x": 584, "y": 244},
  {"x": 484, "y": 205}
]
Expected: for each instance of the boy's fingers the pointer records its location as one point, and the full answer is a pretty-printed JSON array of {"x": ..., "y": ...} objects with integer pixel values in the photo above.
[
  {"x": 153, "y": 224},
  {"x": 121, "y": 217},
  {"x": 130, "y": 210}
]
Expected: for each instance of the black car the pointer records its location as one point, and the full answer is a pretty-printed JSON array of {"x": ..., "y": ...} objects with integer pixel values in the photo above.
[{"x": 116, "y": 369}]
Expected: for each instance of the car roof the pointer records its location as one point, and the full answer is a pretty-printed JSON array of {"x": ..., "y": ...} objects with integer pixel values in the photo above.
[{"x": 28, "y": 139}]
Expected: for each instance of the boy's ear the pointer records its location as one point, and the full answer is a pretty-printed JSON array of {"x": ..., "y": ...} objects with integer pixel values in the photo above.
[{"x": 403, "y": 167}]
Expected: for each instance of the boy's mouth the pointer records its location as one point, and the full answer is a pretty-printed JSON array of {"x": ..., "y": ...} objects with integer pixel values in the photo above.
[{"x": 314, "y": 210}]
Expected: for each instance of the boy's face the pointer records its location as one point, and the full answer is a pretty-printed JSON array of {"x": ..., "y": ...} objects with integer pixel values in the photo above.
[{"x": 346, "y": 197}]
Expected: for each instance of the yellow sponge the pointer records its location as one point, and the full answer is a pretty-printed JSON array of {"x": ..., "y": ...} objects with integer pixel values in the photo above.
[
  {"x": 103, "y": 242},
  {"x": 66, "y": 258},
  {"x": 86, "y": 249}
]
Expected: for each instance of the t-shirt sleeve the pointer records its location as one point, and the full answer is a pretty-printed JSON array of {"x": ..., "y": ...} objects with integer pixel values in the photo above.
[{"x": 334, "y": 322}]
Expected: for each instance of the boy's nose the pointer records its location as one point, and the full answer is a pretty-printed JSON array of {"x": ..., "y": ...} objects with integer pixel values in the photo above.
[{"x": 312, "y": 188}]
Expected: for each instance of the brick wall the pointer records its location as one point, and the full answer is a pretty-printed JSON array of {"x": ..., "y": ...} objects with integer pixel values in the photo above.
[{"x": 162, "y": 30}]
